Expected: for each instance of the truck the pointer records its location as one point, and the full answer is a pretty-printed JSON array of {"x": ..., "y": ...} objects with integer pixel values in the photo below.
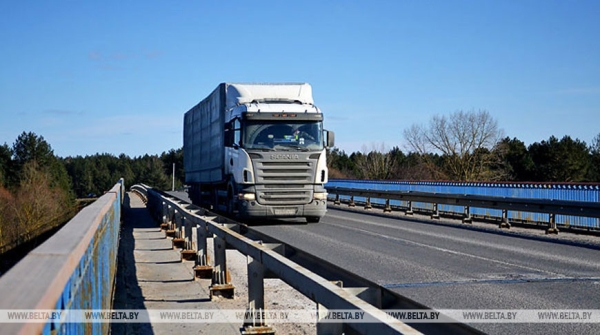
[{"x": 258, "y": 151}]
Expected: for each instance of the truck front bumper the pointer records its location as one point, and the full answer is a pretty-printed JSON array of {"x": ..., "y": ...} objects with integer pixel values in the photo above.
[{"x": 253, "y": 210}]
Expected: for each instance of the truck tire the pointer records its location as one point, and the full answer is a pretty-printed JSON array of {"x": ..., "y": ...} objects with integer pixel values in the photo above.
[{"x": 313, "y": 219}]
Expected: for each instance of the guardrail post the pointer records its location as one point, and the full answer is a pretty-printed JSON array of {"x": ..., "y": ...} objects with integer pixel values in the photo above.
[
  {"x": 388, "y": 208},
  {"x": 409, "y": 211},
  {"x": 436, "y": 212},
  {"x": 337, "y": 200},
  {"x": 467, "y": 218},
  {"x": 326, "y": 328},
  {"x": 164, "y": 225},
  {"x": 221, "y": 280},
  {"x": 178, "y": 242},
  {"x": 254, "y": 321},
  {"x": 188, "y": 253},
  {"x": 368, "y": 204},
  {"x": 351, "y": 203},
  {"x": 203, "y": 269},
  {"x": 170, "y": 232},
  {"x": 552, "y": 229},
  {"x": 504, "y": 223}
]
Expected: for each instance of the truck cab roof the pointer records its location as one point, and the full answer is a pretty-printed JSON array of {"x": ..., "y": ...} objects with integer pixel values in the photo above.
[{"x": 245, "y": 94}]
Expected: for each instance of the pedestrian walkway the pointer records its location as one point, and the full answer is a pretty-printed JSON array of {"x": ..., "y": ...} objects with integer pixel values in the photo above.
[{"x": 151, "y": 276}]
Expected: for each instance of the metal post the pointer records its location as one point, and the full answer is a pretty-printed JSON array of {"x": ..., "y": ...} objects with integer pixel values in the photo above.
[
  {"x": 170, "y": 232},
  {"x": 368, "y": 204},
  {"x": 188, "y": 253},
  {"x": 504, "y": 223},
  {"x": 552, "y": 229},
  {"x": 337, "y": 200},
  {"x": 388, "y": 208},
  {"x": 203, "y": 269},
  {"x": 326, "y": 328},
  {"x": 467, "y": 218},
  {"x": 178, "y": 240},
  {"x": 409, "y": 211},
  {"x": 351, "y": 203},
  {"x": 436, "y": 212},
  {"x": 254, "y": 322},
  {"x": 221, "y": 281},
  {"x": 165, "y": 215}
]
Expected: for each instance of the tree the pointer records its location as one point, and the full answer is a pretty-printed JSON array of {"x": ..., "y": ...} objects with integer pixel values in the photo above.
[
  {"x": 339, "y": 164},
  {"x": 376, "y": 164},
  {"x": 5, "y": 164},
  {"x": 460, "y": 139},
  {"x": 517, "y": 161},
  {"x": 174, "y": 157},
  {"x": 39, "y": 206},
  {"x": 566, "y": 160},
  {"x": 416, "y": 167},
  {"x": 30, "y": 148},
  {"x": 594, "y": 172},
  {"x": 152, "y": 172}
]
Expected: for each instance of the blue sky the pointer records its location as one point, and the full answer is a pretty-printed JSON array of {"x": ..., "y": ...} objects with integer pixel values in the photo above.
[{"x": 116, "y": 76}]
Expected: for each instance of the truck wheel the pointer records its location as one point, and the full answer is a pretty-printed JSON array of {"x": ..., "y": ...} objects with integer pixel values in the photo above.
[{"x": 313, "y": 219}]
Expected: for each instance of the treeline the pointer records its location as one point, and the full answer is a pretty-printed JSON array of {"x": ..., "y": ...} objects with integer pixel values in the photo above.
[
  {"x": 93, "y": 175},
  {"x": 552, "y": 160},
  {"x": 469, "y": 146},
  {"x": 39, "y": 191},
  {"x": 35, "y": 191}
]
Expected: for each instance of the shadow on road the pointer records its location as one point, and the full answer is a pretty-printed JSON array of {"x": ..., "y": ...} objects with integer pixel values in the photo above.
[{"x": 128, "y": 294}]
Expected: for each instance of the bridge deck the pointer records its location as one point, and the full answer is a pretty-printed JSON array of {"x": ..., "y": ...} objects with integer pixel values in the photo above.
[{"x": 150, "y": 276}]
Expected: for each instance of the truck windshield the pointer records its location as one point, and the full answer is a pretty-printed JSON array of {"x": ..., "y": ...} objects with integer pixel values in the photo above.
[{"x": 283, "y": 135}]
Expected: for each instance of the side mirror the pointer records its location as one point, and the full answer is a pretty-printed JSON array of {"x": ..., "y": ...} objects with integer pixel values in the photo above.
[{"x": 329, "y": 138}]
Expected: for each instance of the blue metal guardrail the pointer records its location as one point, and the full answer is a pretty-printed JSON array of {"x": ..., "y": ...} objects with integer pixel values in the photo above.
[
  {"x": 73, "y": 270},
  {"x": 550, "y": 191}
]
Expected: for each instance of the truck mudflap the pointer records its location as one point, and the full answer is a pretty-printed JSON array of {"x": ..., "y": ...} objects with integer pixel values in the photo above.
[{"x": 254, "y": 210}]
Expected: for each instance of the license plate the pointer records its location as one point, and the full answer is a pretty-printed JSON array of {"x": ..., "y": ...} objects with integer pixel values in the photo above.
[{"x": 285, "y": 211}]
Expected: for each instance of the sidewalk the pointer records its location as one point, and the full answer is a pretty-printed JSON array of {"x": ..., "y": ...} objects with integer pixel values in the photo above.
[{"x": 151, "y": 276}]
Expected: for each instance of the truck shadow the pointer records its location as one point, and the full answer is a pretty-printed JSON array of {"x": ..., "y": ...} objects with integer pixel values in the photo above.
[{"x": 275, "y": 222}]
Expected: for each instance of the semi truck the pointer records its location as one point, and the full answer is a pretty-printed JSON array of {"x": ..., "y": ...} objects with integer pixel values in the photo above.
[{"x": 256, "y": 151}]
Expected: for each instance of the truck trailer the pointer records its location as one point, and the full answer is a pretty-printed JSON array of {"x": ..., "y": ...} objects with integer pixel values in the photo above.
[{"x": 256, "y": 151}]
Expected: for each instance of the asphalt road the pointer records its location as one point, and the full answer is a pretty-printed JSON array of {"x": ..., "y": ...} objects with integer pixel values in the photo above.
[{"x": 452, "y": 268}]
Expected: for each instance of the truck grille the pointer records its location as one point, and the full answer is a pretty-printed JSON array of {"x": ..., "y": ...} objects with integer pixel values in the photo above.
[{"x": 288, "y": 182}]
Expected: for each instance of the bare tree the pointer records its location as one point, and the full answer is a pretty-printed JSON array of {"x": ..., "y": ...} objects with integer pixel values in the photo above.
[
  {"x": 376, "y": 164},
  {"x": 464, "y": 139}
]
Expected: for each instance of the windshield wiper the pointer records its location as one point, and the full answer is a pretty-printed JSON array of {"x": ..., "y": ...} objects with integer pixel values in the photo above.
[{"x": 297, "y": 147}]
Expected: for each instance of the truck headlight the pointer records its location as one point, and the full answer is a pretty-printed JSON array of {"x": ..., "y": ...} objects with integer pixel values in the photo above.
[
  {"x": 320, "y": 196},
  {"x": 247, "y": 196}
]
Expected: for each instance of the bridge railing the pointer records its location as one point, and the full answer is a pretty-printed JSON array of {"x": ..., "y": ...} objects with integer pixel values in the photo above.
[
  {"x": 73, "y": 270},
  {"x": 329, "y": 286},
  {"x": 565, "y": 205}
]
